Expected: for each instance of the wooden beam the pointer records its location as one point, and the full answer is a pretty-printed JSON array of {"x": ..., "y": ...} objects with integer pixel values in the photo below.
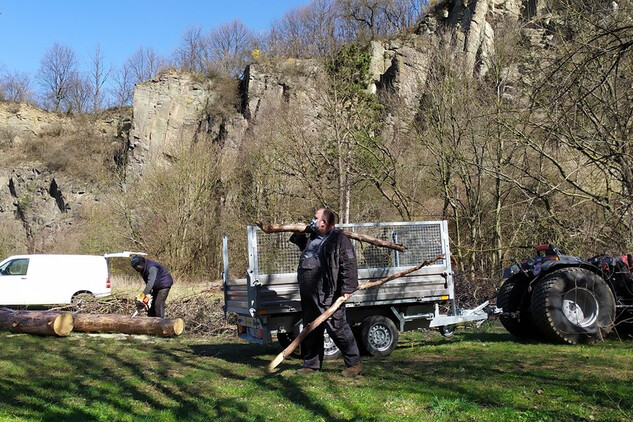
[{"x": 301, "y": 228}]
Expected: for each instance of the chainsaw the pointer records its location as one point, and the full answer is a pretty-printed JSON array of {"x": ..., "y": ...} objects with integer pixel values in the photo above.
[{"x": 143, "y": 302}]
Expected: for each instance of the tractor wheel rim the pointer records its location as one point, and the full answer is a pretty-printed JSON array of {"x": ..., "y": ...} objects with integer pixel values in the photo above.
[{"x": 580, "y": 307}]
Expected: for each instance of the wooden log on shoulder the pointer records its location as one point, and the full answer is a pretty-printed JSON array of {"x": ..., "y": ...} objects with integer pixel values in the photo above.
[
  {"x": 48, "y": 323},
  {"x": 111, "y": 323},
  {"x": 301, "y": 228}
]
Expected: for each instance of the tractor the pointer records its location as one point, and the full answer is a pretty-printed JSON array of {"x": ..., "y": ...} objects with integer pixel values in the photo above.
[{"x": 566, "y": 299}]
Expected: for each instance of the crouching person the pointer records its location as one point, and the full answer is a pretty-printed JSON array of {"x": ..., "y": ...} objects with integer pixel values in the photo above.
[{"x": 158, "y": 282}]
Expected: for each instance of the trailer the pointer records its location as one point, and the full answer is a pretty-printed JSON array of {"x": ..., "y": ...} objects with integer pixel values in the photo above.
[{"x": 268, "y": 306}]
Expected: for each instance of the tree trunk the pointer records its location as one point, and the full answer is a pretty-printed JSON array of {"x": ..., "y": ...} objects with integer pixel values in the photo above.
[
  {"x": 163, "y": 327},
  {"x": 301, "y": 228},
  {"x": 49, "y": 323}
]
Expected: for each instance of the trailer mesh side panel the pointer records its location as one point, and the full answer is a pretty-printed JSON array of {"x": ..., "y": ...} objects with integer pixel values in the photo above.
[{"x": 277, "y": 255}]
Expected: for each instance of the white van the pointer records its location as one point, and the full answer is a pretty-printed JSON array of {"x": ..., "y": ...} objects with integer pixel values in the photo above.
[{"x": 55, "y": 279}]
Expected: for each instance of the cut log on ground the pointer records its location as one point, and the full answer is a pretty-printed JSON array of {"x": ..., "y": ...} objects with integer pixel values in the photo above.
[
  {"x": 111, "y": 323},
  {"x": 301, "y": 228},
  {"x": 47, "y": 323},
  {"x": 337, "y": 304}
]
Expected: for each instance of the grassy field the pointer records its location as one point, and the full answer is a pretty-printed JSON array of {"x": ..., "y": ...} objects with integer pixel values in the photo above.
[{"x": 478, "y": 375}]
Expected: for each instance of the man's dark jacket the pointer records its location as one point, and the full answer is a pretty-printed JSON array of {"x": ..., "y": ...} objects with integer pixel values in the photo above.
[
  {"x": 163, "y": 278},
  {"x": 338, "y": 262}
]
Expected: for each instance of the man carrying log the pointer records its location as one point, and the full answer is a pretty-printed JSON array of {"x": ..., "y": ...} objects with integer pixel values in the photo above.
[{"x": 327, "y": 270}]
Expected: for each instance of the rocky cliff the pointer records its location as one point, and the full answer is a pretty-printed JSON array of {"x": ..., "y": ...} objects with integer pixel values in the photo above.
[{"x": 175, "y": 109}]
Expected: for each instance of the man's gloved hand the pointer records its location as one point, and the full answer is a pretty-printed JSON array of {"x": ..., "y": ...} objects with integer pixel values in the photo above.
[{"x": 144, "y": 301}]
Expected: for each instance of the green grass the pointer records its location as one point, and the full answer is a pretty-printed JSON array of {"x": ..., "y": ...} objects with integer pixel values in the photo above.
[{"x": 478, "y": 375}]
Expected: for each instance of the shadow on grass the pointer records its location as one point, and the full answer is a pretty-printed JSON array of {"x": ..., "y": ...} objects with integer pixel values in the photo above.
[{"x": 233, "y": 352}]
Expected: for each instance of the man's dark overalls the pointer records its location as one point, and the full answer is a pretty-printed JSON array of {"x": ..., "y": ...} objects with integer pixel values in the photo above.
[{"x": 316, "y": 298}]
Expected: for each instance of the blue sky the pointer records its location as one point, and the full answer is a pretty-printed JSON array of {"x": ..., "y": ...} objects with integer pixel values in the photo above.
[{"x": 28, "y": 28}]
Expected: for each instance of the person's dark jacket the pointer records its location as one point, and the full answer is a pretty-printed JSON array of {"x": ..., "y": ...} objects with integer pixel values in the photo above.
[
  {"x": 155, "y": 276},
  {"x": 338, "y": 261}
]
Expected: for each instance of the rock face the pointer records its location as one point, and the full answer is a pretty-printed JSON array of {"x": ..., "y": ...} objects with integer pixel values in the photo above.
[
  {"x": 20, "y": 122},
  {"x": 37, "y": 204},
  {"x": 176, "y": 109}
]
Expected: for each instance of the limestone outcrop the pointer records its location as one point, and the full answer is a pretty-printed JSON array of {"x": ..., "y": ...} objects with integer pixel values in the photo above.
[{"x": 176, "y": 109}]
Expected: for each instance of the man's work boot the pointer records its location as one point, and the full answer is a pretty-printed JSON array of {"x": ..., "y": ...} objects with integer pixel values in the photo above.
[
  {"x": 306, "y": 371},
  {"x": 353, "y": 371}
]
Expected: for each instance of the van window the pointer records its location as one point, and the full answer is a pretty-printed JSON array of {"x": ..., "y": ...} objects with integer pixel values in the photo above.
[{"x": 15, "y": 267}]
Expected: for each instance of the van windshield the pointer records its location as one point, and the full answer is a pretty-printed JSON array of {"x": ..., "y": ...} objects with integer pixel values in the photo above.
[{"x": 15, "y": 267}]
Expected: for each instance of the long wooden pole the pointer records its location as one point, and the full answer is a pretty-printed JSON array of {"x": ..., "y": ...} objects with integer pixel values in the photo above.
[
  {"x": 337, "y": 304},
  {"x": 301, "y": 228}
]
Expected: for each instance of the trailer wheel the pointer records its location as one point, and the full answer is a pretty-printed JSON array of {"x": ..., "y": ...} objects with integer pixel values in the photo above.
[
  {"x": 331, "y": 350},
  {"x": 513, "y": 297},
  {"x": 379, "y": 335},
  {"x": 573, "y": 305},
  {"x": 285, "y": 339},
  {"x": 447, "y": 330}
]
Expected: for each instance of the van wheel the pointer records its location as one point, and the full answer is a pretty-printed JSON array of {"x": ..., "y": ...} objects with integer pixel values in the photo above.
[{"x": 81, "y": 297}]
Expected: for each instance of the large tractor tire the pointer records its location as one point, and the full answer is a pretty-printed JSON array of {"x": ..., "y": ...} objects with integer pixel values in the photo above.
[
  {"x": 514, "y": 299},
  {"x": 573, "y": 305}
]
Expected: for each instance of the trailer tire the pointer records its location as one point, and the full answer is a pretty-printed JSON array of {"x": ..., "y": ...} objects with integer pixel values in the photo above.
[
  {"x": 513, "y": 297},
  {"x": 379, "y": 335},
  {"x": 447, "y": 331},
  {"x": 331, "y": 350},
  {"x": 284, "y": 339},
  {"x": 573, "y": 305}
]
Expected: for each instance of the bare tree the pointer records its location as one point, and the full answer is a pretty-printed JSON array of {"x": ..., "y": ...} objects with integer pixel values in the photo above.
[
  {"x": 57, "y": 70},
  {"x": 230, "y": 46},
  {"x": 192, "y": 54},
  {"x": 144, "y": 64},
  {"x": 80, "y": 95},
  {"x": 364, "y": 20},
  {"x": 99, "y": 75},
  {"x": 122, "y": 89},
  {"x": 585, "y": 99},
  {"x": 308, "y": 31},
  {"x": 16, "y": 86}
]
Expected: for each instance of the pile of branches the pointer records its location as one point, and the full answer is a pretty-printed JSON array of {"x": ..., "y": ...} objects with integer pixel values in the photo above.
[{"x": 202, "y": 313}]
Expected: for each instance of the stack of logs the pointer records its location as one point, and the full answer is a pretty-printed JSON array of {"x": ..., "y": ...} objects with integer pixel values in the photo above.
[{"x": 57, "y": 323}]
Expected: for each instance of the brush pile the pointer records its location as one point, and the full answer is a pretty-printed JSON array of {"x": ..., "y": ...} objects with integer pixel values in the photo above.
[{"x": 202, "y": 312}]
